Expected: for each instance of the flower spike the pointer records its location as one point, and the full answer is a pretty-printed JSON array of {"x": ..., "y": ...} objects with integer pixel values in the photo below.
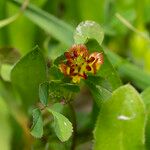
[{"x": 79, "y": 63}]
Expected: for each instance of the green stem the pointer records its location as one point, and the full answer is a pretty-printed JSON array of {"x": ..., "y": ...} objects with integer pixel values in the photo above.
[{"x": 73, "y": 145}]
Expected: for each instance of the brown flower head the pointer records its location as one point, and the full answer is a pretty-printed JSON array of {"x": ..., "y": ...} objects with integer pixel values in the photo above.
[{"x": 79, "y": 62}]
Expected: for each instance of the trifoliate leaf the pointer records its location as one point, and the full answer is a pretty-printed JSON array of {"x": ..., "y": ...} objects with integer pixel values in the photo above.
[{"x": 63, "y": 127}]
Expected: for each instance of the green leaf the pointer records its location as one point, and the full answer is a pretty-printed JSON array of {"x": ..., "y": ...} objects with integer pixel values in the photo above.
[
  {"x": 55, "y": 73},
  {"x": 9, "y": 55},
  {"x": 44, "y": 93},
  {"x": 99, "y": 93},
  {"x": 59, "y": 59},
  {"x": 146, "y": 98},
  {"x": 58, "y": 107},
  {"x": 55, "y": 27},
  {"x": 97, "y": 80},
  {"x": 62, "y": 126},
  {"x": 54, "y": 85},
  {"x": 37, "y": 126},
  {"x": 61, "y": 90},
  {"x": 5, "y": 72},
  {"x": 27, "y": 74},
  {"x": 71, "y": 87},
  {"x": 88, "y": 30},
  {"x": 55, "y": 91},
  {"x": 121, "y": 122}
]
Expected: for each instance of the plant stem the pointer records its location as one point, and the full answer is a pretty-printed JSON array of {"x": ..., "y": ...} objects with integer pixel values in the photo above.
[{"x": 73, "y": 145}]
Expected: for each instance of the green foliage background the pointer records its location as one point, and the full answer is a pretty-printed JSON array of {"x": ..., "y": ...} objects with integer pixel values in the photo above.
[{"x": 51, "y": 25}]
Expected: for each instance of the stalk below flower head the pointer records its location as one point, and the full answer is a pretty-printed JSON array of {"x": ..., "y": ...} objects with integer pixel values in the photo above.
[{"x": 79, "y": 63}]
